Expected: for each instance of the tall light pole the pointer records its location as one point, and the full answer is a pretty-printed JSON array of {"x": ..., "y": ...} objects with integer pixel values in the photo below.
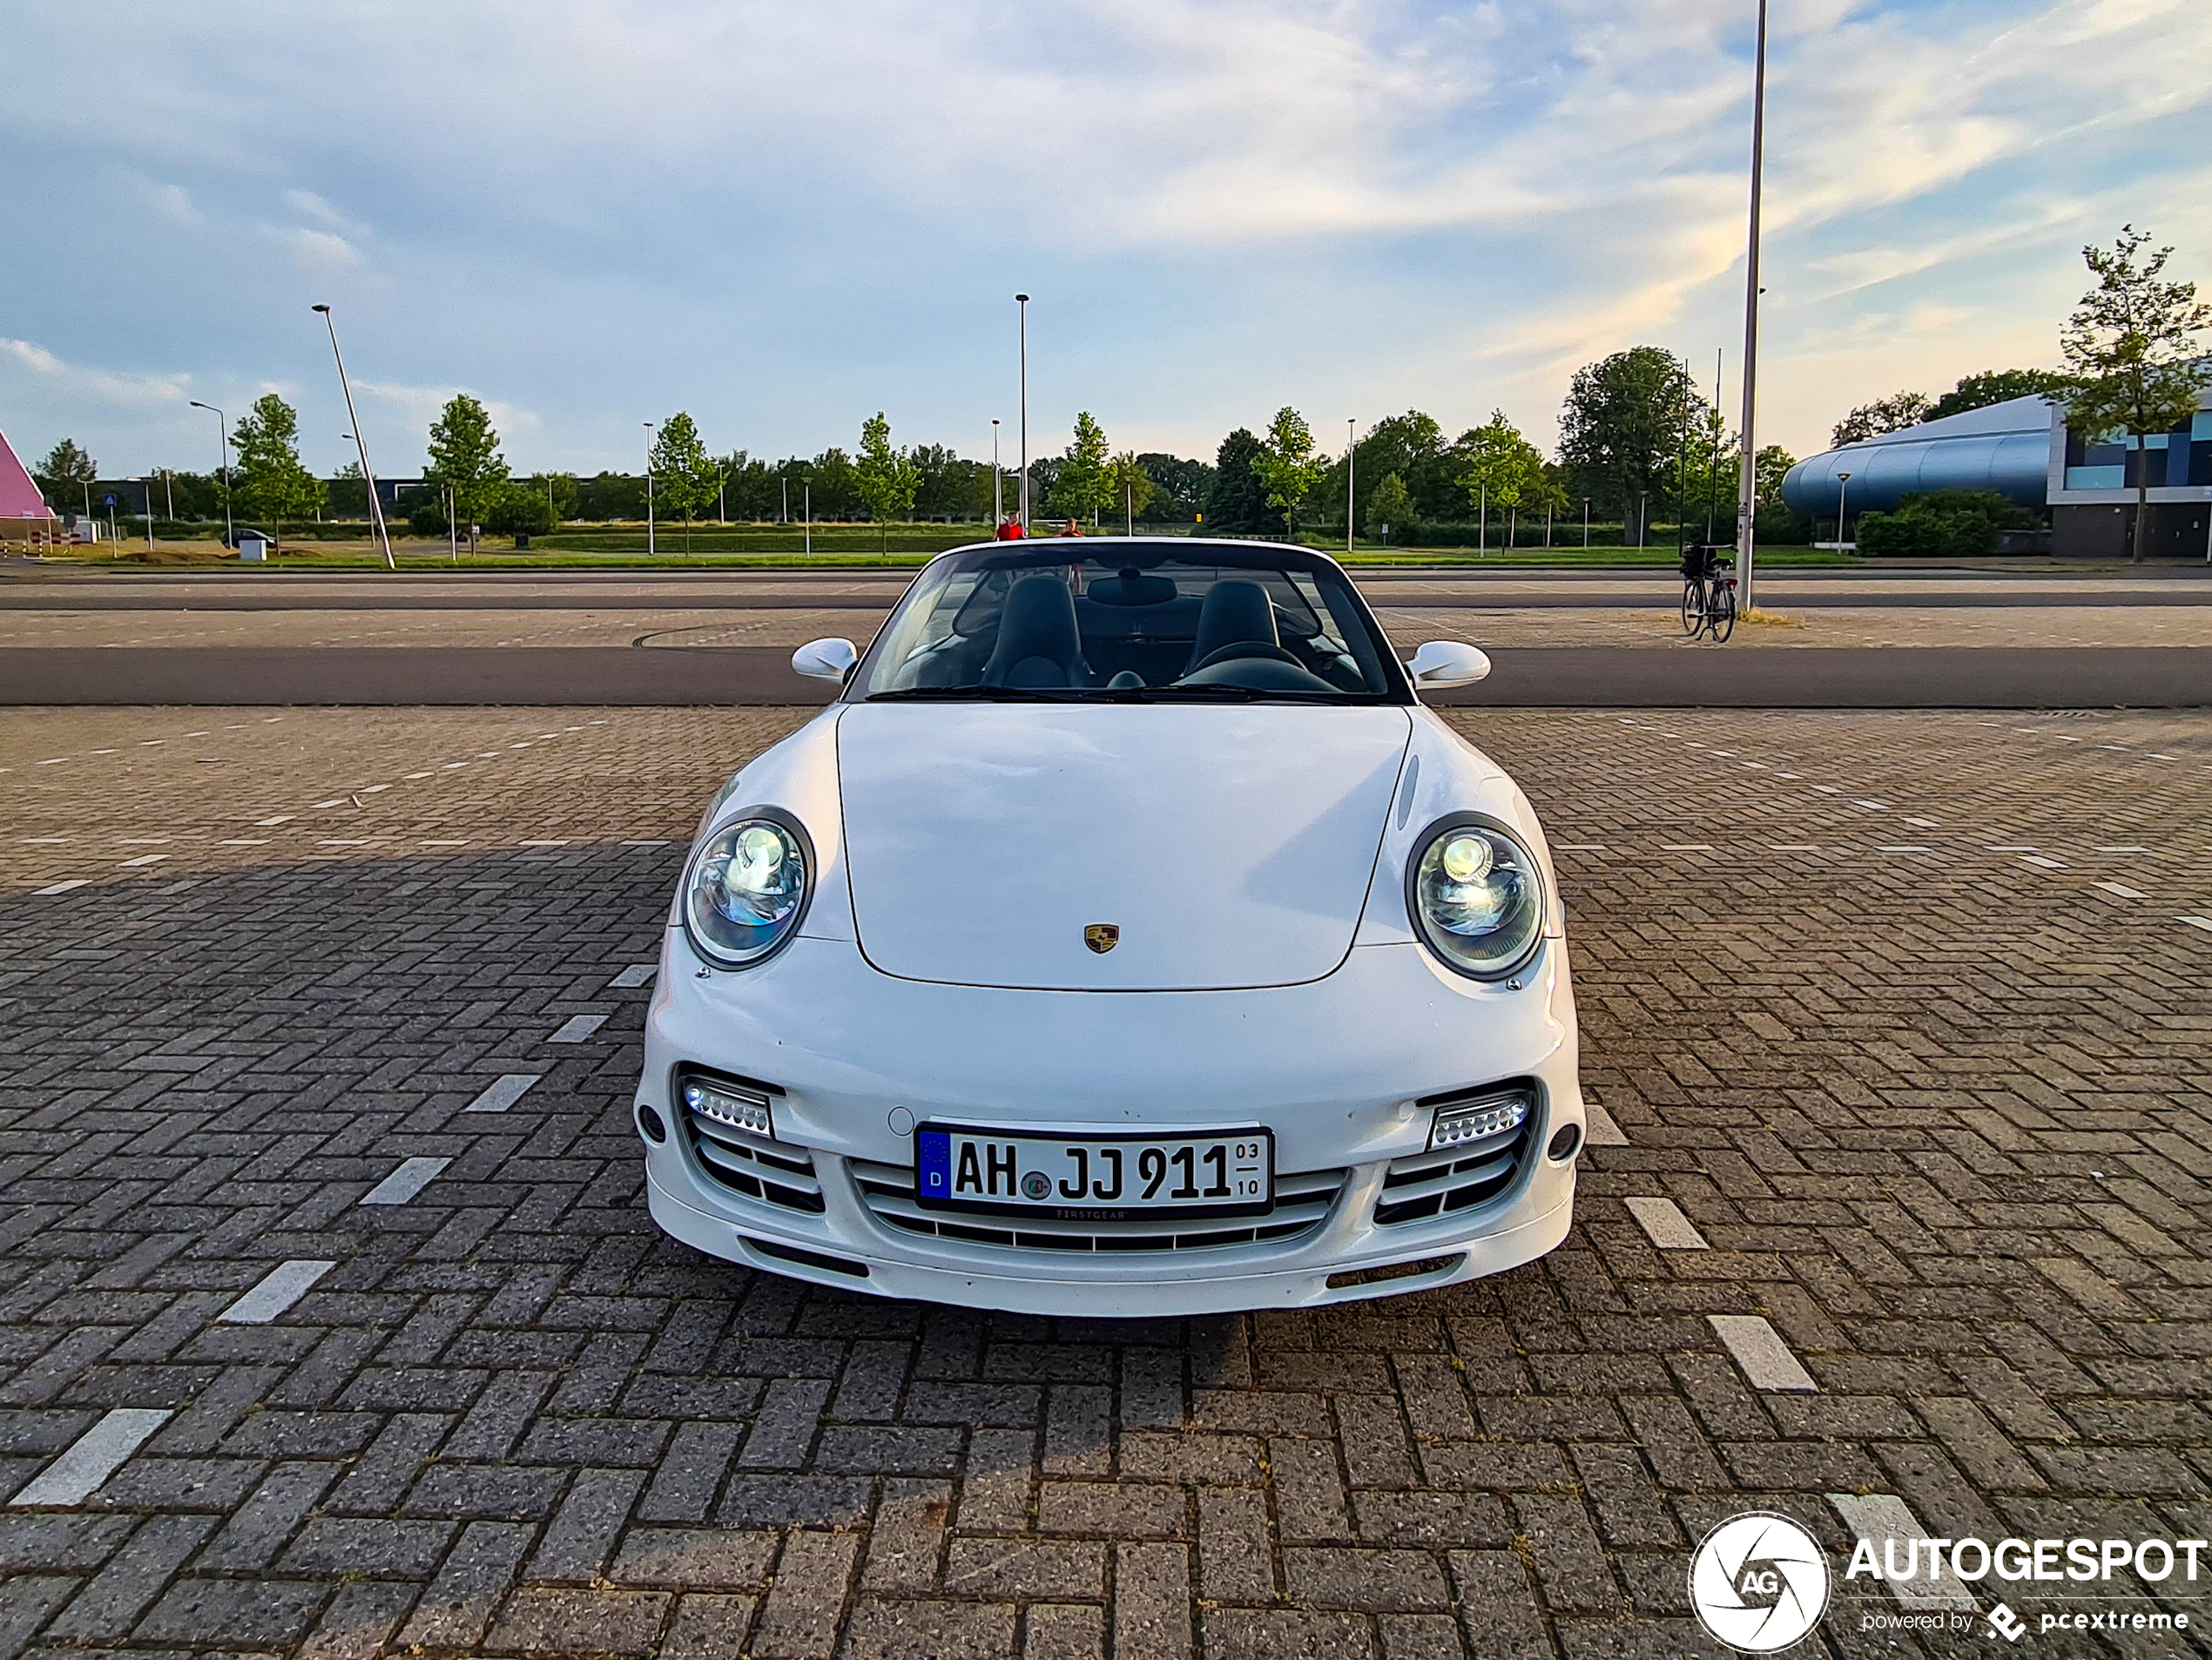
[
  {"x": 998, "y": 482},
  {"x": 1841, "y": 479},
  {"x": 1586, "y": 523},
  {"x": 1023, "y": 301},
  {"x": 806, "y": 488},
  {"x": 148, "y": 482},
  {"x": 375, "y": 507},
  {"x": 649, "y": 489},
  {"x": 1351, "y": 461},
  {"x": 1747, "y": 497},
  {"x": 223, "y": 434}
]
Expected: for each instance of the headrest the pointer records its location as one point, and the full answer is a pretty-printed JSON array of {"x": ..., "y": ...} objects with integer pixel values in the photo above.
[{"x": 1132, "y": 587}]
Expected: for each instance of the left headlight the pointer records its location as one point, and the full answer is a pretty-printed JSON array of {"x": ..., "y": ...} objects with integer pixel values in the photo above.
[
  {"x": 746, "y": 889},
  {"x": 1477, "y": 896}
]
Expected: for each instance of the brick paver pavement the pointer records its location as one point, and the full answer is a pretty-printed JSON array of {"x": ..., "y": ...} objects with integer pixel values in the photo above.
[{"x": 1908, "y": 1043}]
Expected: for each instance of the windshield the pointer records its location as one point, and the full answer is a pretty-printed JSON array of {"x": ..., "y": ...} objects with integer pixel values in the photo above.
[{"x": 1131, "y": 621}]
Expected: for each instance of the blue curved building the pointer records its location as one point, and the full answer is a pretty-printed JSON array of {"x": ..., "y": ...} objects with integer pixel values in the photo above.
[
  {"x": 2005, "y": 448},
  {"x": 2023, "y": 450}
]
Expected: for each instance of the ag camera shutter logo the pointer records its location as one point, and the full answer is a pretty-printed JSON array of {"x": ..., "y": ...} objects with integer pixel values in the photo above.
[{"x": 1759, "y": 1583}]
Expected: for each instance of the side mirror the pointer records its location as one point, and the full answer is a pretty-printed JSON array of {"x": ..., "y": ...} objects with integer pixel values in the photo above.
[
  {"x": 825, "y": 659},
  {"x": 1447, "y": 663}
]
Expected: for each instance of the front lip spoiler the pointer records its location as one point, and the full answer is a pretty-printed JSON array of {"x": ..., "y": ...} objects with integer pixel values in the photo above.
[{"x": 1131, "y": 1293}]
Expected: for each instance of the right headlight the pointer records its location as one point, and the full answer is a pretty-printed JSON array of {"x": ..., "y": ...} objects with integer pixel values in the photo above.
[
  {"x": 1476, "y": 896},
  {"x": 746, "y": 889}
]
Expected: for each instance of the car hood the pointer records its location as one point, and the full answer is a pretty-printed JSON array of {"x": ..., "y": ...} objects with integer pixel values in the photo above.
[{"x": 1230, "y": 846}]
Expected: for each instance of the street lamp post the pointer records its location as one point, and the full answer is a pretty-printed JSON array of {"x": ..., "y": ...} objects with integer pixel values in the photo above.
[
  {"x": 223, "y": 476},
  {"x": 1585, "y": 521},
  {"x": 998, "y": 482},
  {"x": 1351, "y": 461},
  {"x": 1022, "y": 301},
  {"x": 375, "y": 507},
  {"x": 1841, "y": 479},
  {"x": 1642, "y": 516},
  {"x": 806, "y": 491},
  {"x": 1747, "y": 495},
  {"x": 148, "y": 482},
  {"x": 649, "y": 489}
]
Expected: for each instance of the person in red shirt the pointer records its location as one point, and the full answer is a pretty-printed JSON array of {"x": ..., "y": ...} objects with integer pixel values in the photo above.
[
  {"x": 1074, "y": 528},
  {"x": 1009, "y": 530}
]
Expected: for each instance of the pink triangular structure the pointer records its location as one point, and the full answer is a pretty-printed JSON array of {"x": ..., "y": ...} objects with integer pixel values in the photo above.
[{"x": 19, "y": 496}]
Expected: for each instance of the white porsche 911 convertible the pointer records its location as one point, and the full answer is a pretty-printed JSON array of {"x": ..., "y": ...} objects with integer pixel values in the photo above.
[{"x": 1126, "y": 939}]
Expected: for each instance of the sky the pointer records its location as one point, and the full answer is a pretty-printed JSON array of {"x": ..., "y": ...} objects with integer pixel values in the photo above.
[{"x": 780, "y": 218}]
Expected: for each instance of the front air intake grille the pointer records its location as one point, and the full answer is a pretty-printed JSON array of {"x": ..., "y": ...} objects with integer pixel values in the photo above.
[
  {"x": 770, "y": 1172},
  {"x": 1464, "y": 1175},
  {"x": 1301, "y": 1201}
]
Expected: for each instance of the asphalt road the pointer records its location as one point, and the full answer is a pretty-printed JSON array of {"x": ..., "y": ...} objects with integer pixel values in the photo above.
[{"x": 1565, "y": 677}]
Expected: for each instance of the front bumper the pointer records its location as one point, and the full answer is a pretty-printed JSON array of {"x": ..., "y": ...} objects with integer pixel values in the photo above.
[{"x": 1333, "y": 1067}]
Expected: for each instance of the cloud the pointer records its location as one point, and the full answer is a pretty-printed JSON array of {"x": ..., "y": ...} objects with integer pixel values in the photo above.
[
  {"x": 423, "y": 404},
  {"x": 174, "y": 203},
  {"x": 92, "y": 385}
]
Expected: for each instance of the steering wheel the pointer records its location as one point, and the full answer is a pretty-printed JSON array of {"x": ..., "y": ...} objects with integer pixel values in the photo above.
[{"x": 1237, "y": 649}]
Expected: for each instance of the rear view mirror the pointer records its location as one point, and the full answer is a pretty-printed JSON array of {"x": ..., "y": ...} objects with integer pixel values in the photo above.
[
  {"x": 825, "y": 659},
  {"x": 1447, "y": 663}
]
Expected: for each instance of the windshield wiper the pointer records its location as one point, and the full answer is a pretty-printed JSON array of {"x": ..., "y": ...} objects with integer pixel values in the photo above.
[{"x": 971, "y": 694}]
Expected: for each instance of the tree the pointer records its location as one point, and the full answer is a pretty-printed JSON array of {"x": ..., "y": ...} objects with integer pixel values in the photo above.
[
  {"x": 685, "y": 478},
  {"x": 1182, "y": 485},
  {"x": 1389, "y": 503},
  {"x": 885, "y": 478},
  {"x": 1998, "y": 386},
  {"x": 2131, "y": 344},
  {"x": 67, "y": 476},
  {"x": 1083, "y": 484},
  {"x": 1411, "y": 446},
  {"x": 521, "y": 509},
  {"x": 1130, "y": 487},
  {"x": 1943, "y": 524},
  {"x": 1620, "y": 430},
  {"x": 269, "y": 481},
  {"x": 1236, "y": 504},
  {"x": 1502, "y": 469},
  {"x": 948, "y": 483},
  {"x": 1287, "y": 465},
  {"x": 1893, "y": 414},
  {"x": 465, "y": 459}
]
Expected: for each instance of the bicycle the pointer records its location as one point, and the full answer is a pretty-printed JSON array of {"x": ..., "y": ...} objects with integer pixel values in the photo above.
[{"x": 1708, "y": 593}]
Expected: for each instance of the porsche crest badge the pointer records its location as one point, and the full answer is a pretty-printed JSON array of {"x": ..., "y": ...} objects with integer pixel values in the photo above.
[{"x": 1102, "y": 937}]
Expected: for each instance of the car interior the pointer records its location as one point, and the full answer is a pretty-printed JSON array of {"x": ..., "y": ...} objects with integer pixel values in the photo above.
[{"x": 1129, "y": 628}]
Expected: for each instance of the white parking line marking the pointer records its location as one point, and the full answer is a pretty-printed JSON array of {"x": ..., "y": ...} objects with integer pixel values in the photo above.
[
  {"x": 1879, "y": 1517},
  {"x": 1789, "y": 775},
  {"x": 2126, "y": 848},
  {"x": 1924, "y": 824},
  {"x": 2041, "y": 863},
  {"x": 2013, "y": 847},
  {"x": 245, "y": 841},
  {"x": 450, "y": 842},
  {"x": 335, "y": 801},
  {"x": 2204, "y": 922},
  {"x": 1872, "y": 807},
  {"x": 637, "y": 974},
  {"x": 281, "y": 818},
  {"x": 45, "y": 842},
  {"x": 576, "y": 1027},
  {"x": 2119, "y": 890},
  {"x": 411, "y": 776},
  {"x": 142, "y": 859},
  {"x": 1793, "y": 846},
  {"x": 52, "y": 889},
  {"x": 504, "y": 1093},
  {"x": 1758, "y": 1348},
  {"x": 1907, "y": 849},
  {"x": 1604, "y": 1132},
  {"x": 544, "y": 842},
  {"x": 1578, "y": 846},
  {"x": 279, "y": 1288},
  {"x": 373, "y": 789},
  {"x": 87, "y": 1463},
  {"x": 1827, "y": 789},
  {"x": 1669, "y": 1229},
  {"x": 646, "y": 843},
  {"x": 403, "y": 1184},
  {"x": 1685, "y": 846}
]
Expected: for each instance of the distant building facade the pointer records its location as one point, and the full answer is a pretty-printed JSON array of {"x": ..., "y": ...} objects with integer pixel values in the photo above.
[{"x": 2025, "y": 451}]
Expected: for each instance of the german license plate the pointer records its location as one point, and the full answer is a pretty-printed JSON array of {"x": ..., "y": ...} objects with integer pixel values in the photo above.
[{"x": 1229, "y": 1172}]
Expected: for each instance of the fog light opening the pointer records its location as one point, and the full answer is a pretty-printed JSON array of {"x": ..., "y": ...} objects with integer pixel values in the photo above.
[
  {"x": 1564, "y": 1144},
  {"x": 649, "y": 1124}
]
